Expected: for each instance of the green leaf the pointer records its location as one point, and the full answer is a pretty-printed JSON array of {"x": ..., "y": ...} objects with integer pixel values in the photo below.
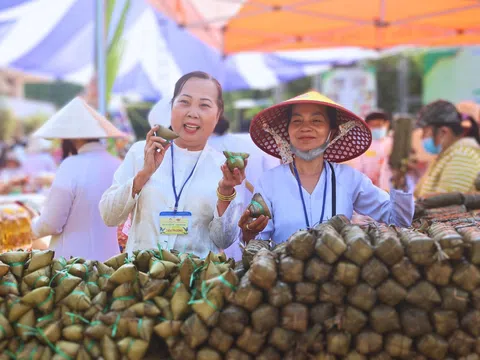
[
  {"x": 115, "y": 49},
  {"x": 7, "y": 124},
  {"x": 114, "y": 57},
  {"x": 121, "y": 25},
  {"x": 109, "y": 12}
]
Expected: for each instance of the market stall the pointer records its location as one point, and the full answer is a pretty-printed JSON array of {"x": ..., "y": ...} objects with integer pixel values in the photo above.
[
  {"x": 338, "y": 291},
  {"x": 16, "y": 212}
]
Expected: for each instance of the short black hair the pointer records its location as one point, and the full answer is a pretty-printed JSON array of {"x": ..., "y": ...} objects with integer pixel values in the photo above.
[
  {"x": 439, "y": 113},
  {"x": 377, "y": 115},
  {"x": 200, "y": 75}
]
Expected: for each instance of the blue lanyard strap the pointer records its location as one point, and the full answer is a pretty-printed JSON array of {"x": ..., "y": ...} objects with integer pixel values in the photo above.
[
  {"x": 297, "y": 176},
  {"x": 177, "y": 196}
]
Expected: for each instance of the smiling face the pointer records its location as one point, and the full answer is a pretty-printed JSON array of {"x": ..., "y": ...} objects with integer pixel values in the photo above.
[
  {"x": 195, "y": 113},
  {"x": 309, "y": 126}
]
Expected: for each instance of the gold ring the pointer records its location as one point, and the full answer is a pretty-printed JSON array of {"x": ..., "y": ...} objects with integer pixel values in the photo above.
[{"x": 248, "y": 228}]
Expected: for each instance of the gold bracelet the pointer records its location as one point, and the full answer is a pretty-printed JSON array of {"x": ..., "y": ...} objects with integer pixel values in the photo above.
[{"x": 226, "y": 198}]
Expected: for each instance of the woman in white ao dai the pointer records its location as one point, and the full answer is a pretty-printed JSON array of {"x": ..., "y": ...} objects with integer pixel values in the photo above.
[{"x": 180, "y": 195}]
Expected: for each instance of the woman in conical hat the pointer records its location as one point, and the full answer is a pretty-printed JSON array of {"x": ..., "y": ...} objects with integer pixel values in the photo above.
[
  {"x": 71, "y": 214},
  {"x": 313, "y": 135}
]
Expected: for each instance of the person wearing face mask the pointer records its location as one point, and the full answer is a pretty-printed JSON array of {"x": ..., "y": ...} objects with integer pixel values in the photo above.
[
  {"x": 374, "y": 162},
  {"x": 455, "y": 139},
  {"x": 181, "y": 195},
  {"x": 313, "y": 135}
]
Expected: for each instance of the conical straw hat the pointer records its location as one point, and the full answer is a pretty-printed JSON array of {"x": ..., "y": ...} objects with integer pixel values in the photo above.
[
  {"x": 161, "y": 113},
  {"x": 352, "y": 140},
  {"x": 78, "y": 120}
]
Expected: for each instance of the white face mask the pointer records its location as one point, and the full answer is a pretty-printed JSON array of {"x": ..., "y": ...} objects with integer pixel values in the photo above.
[
  {"x": 311, "y": 154},
  {"x": 379, "y": 133}
]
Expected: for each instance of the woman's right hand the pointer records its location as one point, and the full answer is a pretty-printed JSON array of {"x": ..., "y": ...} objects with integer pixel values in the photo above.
[
  {"x": 154, "y": 158},
  {"x": 251, "y": 228}
]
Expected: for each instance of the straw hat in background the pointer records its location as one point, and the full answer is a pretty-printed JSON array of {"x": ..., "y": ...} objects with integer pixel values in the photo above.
[{"x": 78, "y": 120}]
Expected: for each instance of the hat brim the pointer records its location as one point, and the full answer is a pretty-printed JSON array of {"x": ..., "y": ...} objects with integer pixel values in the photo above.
[
  {"x": 350, "y": 146},
  {"x": 78, "y": 120}
]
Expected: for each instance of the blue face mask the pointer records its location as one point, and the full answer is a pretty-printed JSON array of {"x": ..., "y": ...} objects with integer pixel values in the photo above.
[
  {"x": 379, "y": 133},
  {"x": 430, "y": 147}
]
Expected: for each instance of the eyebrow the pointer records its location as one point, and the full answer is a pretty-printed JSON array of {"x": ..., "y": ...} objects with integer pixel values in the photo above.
[
  {"x": 315, "y": 113},
  {"x": 191, "y": 97}
]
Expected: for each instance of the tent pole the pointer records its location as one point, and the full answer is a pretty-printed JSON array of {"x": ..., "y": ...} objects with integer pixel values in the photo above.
[
  {"x": 100, "y": 54},
  {"x": 317, "y": 82},
  {"x": 279, "y": 92},
  {"x": 402, "y": 84}
]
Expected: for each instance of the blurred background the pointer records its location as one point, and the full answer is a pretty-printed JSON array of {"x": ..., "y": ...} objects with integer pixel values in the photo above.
[
  {"x": 378, "y": 54},
  {"x": 381, "y": 59}
]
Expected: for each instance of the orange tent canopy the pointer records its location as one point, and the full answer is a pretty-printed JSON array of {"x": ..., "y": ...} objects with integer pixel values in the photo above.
[{"x": 273, "y": 25}]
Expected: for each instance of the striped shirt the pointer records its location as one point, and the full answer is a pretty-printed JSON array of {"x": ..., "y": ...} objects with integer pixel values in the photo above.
[{"x": 454, "y": 170}]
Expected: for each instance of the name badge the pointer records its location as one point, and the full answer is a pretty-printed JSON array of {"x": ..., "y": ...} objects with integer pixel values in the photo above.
[{"x": 175, "y": 223}]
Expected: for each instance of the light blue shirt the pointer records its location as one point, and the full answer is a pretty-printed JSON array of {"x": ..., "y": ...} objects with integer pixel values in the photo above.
[{"x": 354, "y": 192}]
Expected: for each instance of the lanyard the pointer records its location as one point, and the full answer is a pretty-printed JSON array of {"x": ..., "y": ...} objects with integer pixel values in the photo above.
[
  {"x": 177, "y": 196},
  {"x": 303, "y": 200}
]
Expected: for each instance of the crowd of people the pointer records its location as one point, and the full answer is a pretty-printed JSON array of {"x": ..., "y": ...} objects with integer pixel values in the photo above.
[
  {"x": 310, "y": 159},
  {"x": 27, "y": 166}
]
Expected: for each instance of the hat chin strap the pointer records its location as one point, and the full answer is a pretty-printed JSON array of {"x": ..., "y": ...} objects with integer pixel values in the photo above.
[{"x": 312, "y": 154}]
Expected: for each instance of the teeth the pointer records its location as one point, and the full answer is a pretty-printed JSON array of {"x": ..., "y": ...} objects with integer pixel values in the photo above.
[{"x": 192, "y": 127}]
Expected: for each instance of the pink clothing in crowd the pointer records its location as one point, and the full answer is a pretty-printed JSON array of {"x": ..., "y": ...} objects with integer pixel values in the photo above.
[{"x": 374, "y": 162}]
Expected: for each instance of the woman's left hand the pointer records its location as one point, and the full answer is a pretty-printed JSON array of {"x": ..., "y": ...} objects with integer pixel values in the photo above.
[
  {"x": 230, "y": 179},
  {"x": 410, "y": 167},
  {"x": 399, "y": 180}
]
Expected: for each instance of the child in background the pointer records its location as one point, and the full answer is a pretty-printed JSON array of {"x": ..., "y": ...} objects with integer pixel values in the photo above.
[{"x": 374, "y": 162}]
